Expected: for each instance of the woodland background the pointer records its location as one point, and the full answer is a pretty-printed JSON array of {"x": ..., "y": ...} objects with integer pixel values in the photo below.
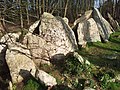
[{"x": 23, "y": 13}]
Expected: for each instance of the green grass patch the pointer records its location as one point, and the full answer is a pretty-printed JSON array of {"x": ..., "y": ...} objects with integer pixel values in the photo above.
[
  {"x": 115, "y": 37},
  {"x": 33, "y": 84},
  {"x": 104, "y": 54}
]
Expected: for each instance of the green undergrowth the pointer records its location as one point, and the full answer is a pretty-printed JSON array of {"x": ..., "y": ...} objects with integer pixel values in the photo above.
[
  {"x": 115, "y": 37},
  {"x": 32, "y": 84},
  {"x": 77, "y": 76}
]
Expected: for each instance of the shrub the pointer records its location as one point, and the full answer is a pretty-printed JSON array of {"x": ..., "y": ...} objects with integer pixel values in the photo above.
[{"x": 72, "y": 66}]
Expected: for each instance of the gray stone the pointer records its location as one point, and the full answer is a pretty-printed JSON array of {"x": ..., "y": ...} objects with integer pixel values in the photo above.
[
  {"x": 45, "y": 78},
  {"x": 56, "y": 31},
  {"x": 117, "y": 77},
  {"x": 84, "y": 17},
  {"x": 104, "y": 27},
  {"x": 33, "y": 26},
  {"x": 88, "y": 88},
  {"x": 55, "y": 37},
  {"x": 118, "y": 36},
  {"x": 39, "y": 48},
  {"x": 88, "y": 32},
  {"x": 19, "y": 63},
  {"x": 66, "y": 20},
  {"x": 113, "y": 23},
  {"x": 10, "y": 39},
  {"x": 80, "y": 59}
]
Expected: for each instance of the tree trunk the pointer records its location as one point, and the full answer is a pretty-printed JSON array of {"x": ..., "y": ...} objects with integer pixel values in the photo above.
[
  {"x": 27, "y": 11},
  {"x": 21, "y": 16},
  {"x": 66, "y": 7},
  {"x": 42, "y": 6}
]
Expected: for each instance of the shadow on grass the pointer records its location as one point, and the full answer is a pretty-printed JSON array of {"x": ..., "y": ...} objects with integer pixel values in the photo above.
[
  {"x": 111, "y": 61},
  {"x": 115, "y": 40},
  {"x": 106, "y": 46},
  {"x": 115, "y": 37},
  {"x": 61, "y": 87}
]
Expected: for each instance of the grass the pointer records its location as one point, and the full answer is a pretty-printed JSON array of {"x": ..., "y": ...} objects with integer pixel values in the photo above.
[
  {"x": 104, "y": 54},
  {"x": 33, "y": 84}
]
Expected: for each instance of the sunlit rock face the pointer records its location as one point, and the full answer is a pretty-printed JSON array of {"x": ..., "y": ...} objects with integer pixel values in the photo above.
[
  {"x": 45, "y": 78},
  {"x": 19, "y": 63},
  {"x": 91, "y": 27},
  {"x": 16, "y": 58},
  {"x": 53, "y": 36},
  {"x": 105, "y": 28},
  {"x": 10, "y": 39},
  {"x": 88, "y": 32},
  {"x": 66, "y": 20}
]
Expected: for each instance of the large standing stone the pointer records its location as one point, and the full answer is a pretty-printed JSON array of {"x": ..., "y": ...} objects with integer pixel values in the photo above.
[
  {"x": 19, "y": 63},
  {"x": 88, "y": 32},
  {"x": 54, "y": 37},
  {"x": 56, "y": 31},
  {"x": 104, "y": 27}
]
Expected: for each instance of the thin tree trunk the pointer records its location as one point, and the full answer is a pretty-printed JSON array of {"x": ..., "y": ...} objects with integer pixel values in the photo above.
[
  {"x": 37, "y": 8},
  {"x": 21, "y": 16},
  {"x": 42, "y": 6},
  {"x": 46, "y": 8},
  {"x": 66, "y": 7},
  {"x": 27, "y": 11}
]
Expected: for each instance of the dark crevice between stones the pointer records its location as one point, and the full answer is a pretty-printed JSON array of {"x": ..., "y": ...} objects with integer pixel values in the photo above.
[
  {"x": 102, "y": 40},
  {"x": 36, "y": 31},
  {"x": 4, "y": 71},
  {"x": 76, "y": 34}
]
